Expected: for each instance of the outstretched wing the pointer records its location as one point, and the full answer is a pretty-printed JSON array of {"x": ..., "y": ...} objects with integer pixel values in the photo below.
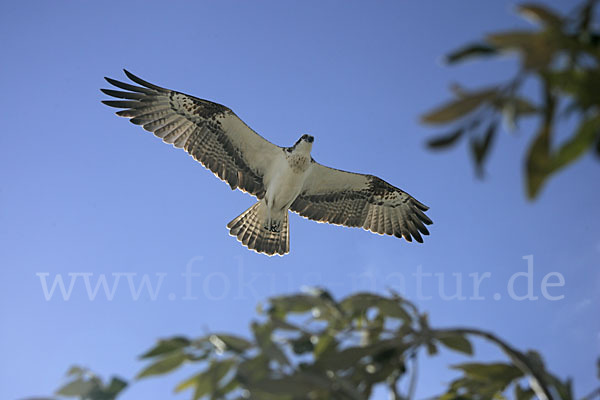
[
  {"x": 357, "y": 200},
  {"x": 209, "y": 132}
]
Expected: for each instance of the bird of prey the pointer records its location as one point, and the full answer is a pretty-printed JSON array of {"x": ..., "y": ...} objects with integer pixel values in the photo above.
[{"x": 281, "y": 178}]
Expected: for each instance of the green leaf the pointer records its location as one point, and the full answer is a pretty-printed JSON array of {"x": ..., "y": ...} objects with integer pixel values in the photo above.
[
  {"x": 582, "y": 84},
  {"x": 536, "y": 361},
  {"x": 357, "y": 304},
  {"x": 470, "y": 51},
  {"x": 484, "y": 381},
  {"x": 230, "y": 386},
  {"x": 538, "y": 162},
  {"x": 375, "y": 327},
  {"x": 350, "y": 356},
  {"x": 458, "y": 108},
  {"x": 201, "y": 384},
  {"x": 541, "y": 163},
  {"x": 520, "y": 105},
  {"x": 297, "y": 304},
  {"x": 325, "y": 343},
  {"x": 536, "y": 48},
  {"x": 208, "y": 381},
  {"x": 512, "y": 108},
  {"x": 540, "y": 13},
  {"x": 253, "y": 369},
  {"x": 457, "y": 342},
  {"x": 165, "y": 346},
  {"x": 294, "y": 304},
  {"x": 513, "y": 39},
  {"x": 303, "y": 385},
  {"x": 564, "y": 389},
  {"x": 293, "y": 387},
  {"x": 393, "y": 309},
  {"x": 576, "y": 146},
  {"x": 76, "y": 370},
  {"x": 163, "y": 366},
  {"x": 523, "y": 394},
  {"x": 262, "y": 333},
  {"x": 230, "y": 342},
  {"x": 431, "y": 348},
  {"x": 281, "y": 324},
  {"x": 115, "y": 387},
  {"x": 499, "y": 372},
  {"x": 440, "y": 142},
  {"x": 189, "y": 382},
  {"x": 77, "y": 388},
  {"x": 480, "y": 148}
]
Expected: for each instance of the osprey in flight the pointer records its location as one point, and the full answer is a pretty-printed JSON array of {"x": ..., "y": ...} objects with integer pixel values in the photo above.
[{"x": 282, "y": 178}]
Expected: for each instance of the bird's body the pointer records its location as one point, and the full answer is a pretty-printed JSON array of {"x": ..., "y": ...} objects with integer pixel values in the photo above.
[
  {"x": 285, "y": 179},
  {"x": 282, "y": 178}
]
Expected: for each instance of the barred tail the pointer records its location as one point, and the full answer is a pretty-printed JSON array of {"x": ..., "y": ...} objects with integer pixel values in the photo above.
[{"x": 250, "y": 229}]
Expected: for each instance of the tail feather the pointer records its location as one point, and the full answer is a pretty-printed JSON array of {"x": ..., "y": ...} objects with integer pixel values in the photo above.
[
  {"x": 244, "y": 234},
  {"x": 249, "y": 228}
]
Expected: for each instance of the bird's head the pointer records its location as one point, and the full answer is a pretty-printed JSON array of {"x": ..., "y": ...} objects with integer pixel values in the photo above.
[{"x": 304, "y": 144}]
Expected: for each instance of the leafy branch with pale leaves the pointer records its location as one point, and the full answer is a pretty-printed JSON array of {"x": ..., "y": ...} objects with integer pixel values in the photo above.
[{"x": 563, "y": 56}]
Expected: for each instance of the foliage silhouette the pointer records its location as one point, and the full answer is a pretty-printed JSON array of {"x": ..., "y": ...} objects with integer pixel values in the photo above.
[
  {"x": 311, "y": 346},
  {"x": 563, "y": 57}
]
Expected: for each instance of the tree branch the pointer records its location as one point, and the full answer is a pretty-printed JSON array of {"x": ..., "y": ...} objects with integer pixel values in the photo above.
[{"x": 539, "y": 384}]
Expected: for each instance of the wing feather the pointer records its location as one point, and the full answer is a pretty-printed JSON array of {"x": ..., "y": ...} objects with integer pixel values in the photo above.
[
  {"x": 209, "y": 132},
  {"x": 154, "y": 126},
  {"x": 180, "y": 125},
  {"x": 123, "y": 95},
  {"x": 356, "y": 200},
  {"x": 388, "y": 220},
  {"x": 127, "y": 86}
]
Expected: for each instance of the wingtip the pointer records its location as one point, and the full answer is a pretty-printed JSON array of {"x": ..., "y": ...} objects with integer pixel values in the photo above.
[
  {"x": 421, "y": 206},
  {"x": 111, "y": 80},
  {"x": 142, "y": 82},
  {"x": 131, "y": 76}
]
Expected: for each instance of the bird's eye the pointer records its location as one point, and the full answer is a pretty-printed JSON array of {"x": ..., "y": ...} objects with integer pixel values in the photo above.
[{"x": 289, "y": 149}]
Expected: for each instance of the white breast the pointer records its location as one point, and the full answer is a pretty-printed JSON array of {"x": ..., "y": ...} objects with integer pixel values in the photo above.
[{"x": 284, "y": 180}]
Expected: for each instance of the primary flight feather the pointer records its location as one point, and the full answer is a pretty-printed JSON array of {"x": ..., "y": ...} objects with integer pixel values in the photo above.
[{"x": 282, "y": 178}]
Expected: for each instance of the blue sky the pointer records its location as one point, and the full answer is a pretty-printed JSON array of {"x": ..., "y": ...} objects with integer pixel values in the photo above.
[{"x": 82, "y": 191}]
